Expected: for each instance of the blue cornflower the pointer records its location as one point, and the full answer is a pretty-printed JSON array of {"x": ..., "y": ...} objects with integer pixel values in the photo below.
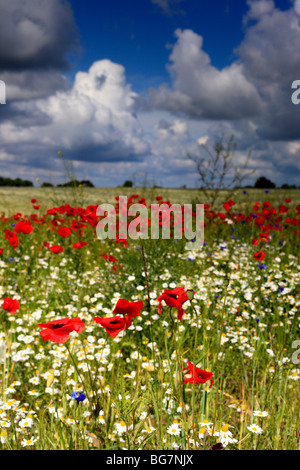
[
  {"x": 262, "y": 266},
  {"x": 281, "y": 289},
  {"x": 78, "y": 396}
]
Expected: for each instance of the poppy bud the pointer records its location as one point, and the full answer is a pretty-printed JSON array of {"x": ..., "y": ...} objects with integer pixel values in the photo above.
[{"x": 190, "y": 293}]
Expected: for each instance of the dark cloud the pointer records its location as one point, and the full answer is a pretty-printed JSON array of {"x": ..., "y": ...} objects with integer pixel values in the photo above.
[
  {"x": 27, "y": 85},
  {"x": 23, "y": 116},
  {"x": 36, "y": 34},
  {"x": 270, "y": 54}
]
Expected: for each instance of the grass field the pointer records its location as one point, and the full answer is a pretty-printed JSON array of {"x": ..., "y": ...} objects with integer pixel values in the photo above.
[
  {"x": 143, "y": 344},
  {"x": 14, "y": 200}
]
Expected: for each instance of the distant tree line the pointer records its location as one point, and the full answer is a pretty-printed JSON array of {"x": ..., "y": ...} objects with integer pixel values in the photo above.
[
  {"x": 74, "y": 183},
  {"x": 14, "y": 182},
  {"x": 261, "y": 183},
  {"x": 265, "y": 183},
  {"x": 19, "y": 182}
]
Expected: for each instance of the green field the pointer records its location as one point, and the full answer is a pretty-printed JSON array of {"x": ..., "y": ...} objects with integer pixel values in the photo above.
[
  {"x": 14, "y": 200},
  {"x": 79, "y": 371}
]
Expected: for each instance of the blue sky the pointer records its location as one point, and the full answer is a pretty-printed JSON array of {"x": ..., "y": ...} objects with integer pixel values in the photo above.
[
  {"x": 136, "y": 33},
  {"x": 125, "y": 89}
]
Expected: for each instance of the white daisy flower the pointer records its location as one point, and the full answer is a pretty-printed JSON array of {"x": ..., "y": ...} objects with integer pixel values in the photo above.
[
  {"x": 121, "y": 428},
  {"x": 174, "y": 429},
  {"x": 28, "y": 442},
  {"x": 255, "y": 428},
  {"x": 260, "y": 413}
]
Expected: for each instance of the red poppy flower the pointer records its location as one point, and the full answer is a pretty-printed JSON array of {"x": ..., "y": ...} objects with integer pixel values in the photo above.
[
  {"x": 56, "y": 249},
  {"x": 264, "y": 236},
  {"x": 174, "y": 298},
  {"x": 283, "y": 209},
  {"x": 113, "y": 325},
  {"x": 11, "y": 305},
  {"x": 254, "y": 241},
  {"x": 23, "y": 227},
  {"x": 109, "y": 258},
  {"x": 227, "y": 205},
  {"x": 197, "y": 376},
  {"x": 1, "y": 251},
  {"x": 12, "y": 238},
  {"x": 132, "y": 309},
  {"x": 63, "y": 231},
  {"x": 260, "y": 255},
  {"x": 79, "y": 245},
  {"x": 76, "y": 226},
  {"x": 57, "y": 331}
]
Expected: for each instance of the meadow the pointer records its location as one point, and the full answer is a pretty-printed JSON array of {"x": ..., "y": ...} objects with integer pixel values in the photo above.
[{"x": 143, "y": 344}]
